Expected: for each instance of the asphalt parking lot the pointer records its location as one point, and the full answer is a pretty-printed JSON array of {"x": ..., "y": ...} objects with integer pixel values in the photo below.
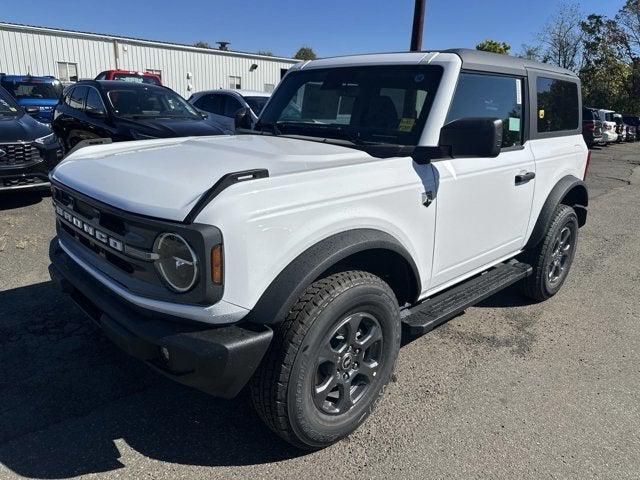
[{"x": 507, "y": 390}]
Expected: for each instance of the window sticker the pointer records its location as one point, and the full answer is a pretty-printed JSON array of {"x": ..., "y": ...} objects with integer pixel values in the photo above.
[
  {"x": 541, "y": 113},
  {"x": 406, "y": 124},
  {"x": 514, "y": 124},
  {"x": 518, "y": 91}
]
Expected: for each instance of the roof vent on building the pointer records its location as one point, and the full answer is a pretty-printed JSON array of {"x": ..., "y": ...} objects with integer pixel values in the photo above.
[{"x": 223, "y": 45}]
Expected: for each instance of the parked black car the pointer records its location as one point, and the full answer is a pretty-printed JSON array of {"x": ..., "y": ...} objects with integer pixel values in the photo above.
[
  {"x": 591, "y": 126},
  {"x": 633, "y": 125},
  {"x": 28, "y": 148},
  {"x": 123, "y": 111}
]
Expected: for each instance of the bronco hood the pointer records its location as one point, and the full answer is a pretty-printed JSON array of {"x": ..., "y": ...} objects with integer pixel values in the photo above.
[{"x": 165, "y": 178}]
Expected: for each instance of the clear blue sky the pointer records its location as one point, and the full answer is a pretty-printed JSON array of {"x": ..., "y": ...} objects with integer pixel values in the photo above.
[{"x": 331, "y": 27}]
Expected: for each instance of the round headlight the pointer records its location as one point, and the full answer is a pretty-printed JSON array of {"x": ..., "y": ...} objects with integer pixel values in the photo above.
[{"x": 177, "y": 264}]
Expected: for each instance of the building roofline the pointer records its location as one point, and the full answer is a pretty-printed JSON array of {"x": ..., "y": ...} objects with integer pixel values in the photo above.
[{"x": 140, "y": 41}]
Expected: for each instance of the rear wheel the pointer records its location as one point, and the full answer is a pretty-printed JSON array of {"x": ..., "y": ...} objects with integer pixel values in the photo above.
[
  {"x": 330, "y": 360},
  {"x": 552, "y": 258}
]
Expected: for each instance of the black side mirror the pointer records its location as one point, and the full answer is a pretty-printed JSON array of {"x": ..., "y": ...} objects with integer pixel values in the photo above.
[
  {"x": 472, "y": 137},
  {"x": 243, "y": 118},
  {"x": 32, "y": 110}
]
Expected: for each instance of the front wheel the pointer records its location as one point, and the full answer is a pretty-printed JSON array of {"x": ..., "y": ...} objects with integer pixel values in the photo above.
[
  {"x": 330, "y": 360},
  {"x": 552, "y": 258}
]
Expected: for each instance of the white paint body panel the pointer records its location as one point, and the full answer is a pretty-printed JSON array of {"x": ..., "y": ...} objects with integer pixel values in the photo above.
[
  {"x": 482, "y": 213},
  {"x": 479, "y": 216}
]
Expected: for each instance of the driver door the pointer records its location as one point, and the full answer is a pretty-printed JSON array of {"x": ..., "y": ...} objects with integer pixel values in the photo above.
[{"x": 484, "y": 204}]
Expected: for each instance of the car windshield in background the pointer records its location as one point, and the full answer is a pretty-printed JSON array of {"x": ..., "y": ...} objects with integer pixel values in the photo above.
[
  {"x": 33, "y": 89},
  {"x": 374, "y": 105},
  {"x": 149, "y": 103},
  {"x": 8, "y": 106},
  {"x": 256, "y": 103},
  {"x": 133, "y": 78}
]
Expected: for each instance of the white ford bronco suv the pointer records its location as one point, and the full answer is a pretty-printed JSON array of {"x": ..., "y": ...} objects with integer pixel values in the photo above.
[{"x": 377, "y": 197}]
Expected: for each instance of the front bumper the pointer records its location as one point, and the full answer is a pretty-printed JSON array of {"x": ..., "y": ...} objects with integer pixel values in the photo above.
[{"x": 219, "y": 361}]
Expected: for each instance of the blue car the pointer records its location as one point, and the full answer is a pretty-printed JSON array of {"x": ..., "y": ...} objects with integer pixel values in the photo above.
[{"x": 37, "y": 95}]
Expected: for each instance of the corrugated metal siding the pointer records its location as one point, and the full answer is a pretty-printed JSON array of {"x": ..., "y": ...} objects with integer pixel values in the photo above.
[{"x": 37, "y": 51}]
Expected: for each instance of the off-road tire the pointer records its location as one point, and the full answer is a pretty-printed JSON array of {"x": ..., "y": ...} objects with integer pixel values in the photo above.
[
  {"x": 283, "y": 388},
  {"x": 539, "y": 286}
]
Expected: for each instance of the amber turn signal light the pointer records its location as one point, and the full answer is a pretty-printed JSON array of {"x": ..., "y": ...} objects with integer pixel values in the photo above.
[{"x": 216, "y": 264}]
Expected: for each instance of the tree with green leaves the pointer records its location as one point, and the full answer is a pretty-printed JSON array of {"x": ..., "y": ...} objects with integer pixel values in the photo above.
[
  {"x": 266, "y": 53},
  {"x": 305, "y": 53},
  {"x": 494, "y": 47},
  {"x": 604, "y": 76}
]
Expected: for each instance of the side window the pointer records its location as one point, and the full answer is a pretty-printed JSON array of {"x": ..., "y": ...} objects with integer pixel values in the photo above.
[
  {"x": 76, "y": 99},
  {"x": 94, "y": 102},
  {"x": 557, "y": 105},
  {"x": 66, "y": 99},
  {"x": 211, "y": 104},
  {"x": 231, "y": 106},
  {"x": 490, "y": 96},
  {"x": 102, "y": 76}
]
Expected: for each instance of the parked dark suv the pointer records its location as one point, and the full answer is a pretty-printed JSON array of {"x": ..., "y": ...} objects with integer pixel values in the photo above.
[
  {"x": 633, "y": 124},
  {"x": 123, "y": 111},
  {"x": 28, "y": 148},
  {"x": 591, "y": 126}
]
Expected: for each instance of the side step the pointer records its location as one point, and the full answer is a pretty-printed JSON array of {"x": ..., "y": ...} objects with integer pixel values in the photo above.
[{"x": 447, "y": 305}]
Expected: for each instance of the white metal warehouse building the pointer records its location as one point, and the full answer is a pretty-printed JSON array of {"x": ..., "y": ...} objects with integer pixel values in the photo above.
[{"x": 70, "y": 55}]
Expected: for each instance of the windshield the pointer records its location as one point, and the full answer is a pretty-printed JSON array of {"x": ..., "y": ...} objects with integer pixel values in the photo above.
[
  {"x": 375, "y": 105},
  {"x": 134, "y": 78},
  {"x": 33, "y": 89},
  {"x": 256, "y": 103},
  {"x": 149, "y": 102},
  {"x": 8, "y": 106}
]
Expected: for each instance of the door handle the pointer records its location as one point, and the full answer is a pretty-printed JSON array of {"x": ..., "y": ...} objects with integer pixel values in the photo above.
[{"x": 525, "y": 177}]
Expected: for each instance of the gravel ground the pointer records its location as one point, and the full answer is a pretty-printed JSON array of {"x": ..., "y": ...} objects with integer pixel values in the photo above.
[{"x": 507, "y": 390}]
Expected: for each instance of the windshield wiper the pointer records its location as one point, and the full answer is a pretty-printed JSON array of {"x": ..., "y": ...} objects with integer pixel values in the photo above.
[
  {"x": 342, "y": 132},
  {"x": 271, "y": 125}
]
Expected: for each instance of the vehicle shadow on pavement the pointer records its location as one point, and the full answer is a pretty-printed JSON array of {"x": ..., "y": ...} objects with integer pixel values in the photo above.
[
  {"x": 12, "y": 200},
  {"x": 71, "y": 403},
  {"x": 507, "y": 298}
]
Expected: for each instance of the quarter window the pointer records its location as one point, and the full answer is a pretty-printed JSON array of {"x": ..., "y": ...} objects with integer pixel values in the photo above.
[
  {"x": 557, "y": 105},
  {"x": 94, "y": 102},
  {"x": 68, "y": 72},
  {"x": 490, "y": 96},
  {"x": 235, "y": 83},
  {"x": 76, "y": 99}
]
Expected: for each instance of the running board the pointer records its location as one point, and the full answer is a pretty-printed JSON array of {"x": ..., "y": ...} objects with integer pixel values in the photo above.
[{"x": 449, "y": 304}]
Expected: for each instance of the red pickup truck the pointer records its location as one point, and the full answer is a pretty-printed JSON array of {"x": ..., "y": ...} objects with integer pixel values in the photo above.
[{"x": 130, "y": 76}]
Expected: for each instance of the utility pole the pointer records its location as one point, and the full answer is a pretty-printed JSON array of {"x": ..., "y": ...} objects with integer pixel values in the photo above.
[{"x": 418, "y": 26}]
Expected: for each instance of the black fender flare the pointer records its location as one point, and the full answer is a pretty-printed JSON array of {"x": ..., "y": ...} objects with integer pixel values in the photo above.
[
  {"x": 568, "y": 188},
  {"x": 290, "y": 283}
]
